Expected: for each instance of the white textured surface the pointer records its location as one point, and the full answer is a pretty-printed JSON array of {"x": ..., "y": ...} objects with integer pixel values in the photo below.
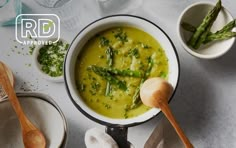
[{"x": 204, "y": 103}]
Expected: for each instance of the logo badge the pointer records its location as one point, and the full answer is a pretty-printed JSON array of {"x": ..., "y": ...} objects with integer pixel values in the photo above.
[{"x": 44, "y": 28}]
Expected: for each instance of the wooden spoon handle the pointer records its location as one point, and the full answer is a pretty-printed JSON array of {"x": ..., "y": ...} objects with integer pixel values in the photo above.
[
  {"x": 166, "y": 110},
  {"x": 6, "y": 84}
]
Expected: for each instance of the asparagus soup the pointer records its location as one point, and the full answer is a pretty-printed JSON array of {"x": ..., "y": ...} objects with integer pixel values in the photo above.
[{"x": 112, "y": 67}]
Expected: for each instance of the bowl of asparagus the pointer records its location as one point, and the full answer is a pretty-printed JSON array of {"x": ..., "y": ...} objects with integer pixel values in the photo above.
[{"x": 206, "y": 30}]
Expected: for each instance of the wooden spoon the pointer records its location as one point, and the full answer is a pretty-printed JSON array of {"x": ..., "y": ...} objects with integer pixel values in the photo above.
[
  {"x": 11, "y": 77},
  {"x": 155, "y": 92},
  {"x": 32, "y": 137}
]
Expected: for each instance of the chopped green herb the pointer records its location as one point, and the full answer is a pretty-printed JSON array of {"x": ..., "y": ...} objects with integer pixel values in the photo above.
[
  {"x": 104, "y": 41},
  {"x": 31, "y": 49},
  {"x": 122, "y": 36},
  {"x": 134, "y": 52},
  {"x": 92, "y": 92},
  {"x": 163, "y": 74},
  {"x": 127, "y": 108},
  {"x": 94, "y": 79},
  {"x": 107, "y": 106},
  {"x": 95, "y": 85},
  {"x": 126, "y": 113},
  {"x": 51, "y": 58},
  {"x": 115, "y": 52},
  {"x": 145, "y": 46},
  {"x": 67, "y": 46}
]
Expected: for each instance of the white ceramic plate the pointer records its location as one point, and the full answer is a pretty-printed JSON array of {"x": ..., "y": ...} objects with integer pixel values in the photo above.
[{"x": 44, "y": 115}]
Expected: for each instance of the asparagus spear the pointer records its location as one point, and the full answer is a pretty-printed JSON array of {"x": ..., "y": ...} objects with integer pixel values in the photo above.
[
  {"x": 202, "y": 38},
  {"x": 228, "y": 27},
  {"x": 108, "y": 89},
  {"x": 220, "y": 36},
  {"x": 109, "y": 54},
  {"x": 136, "y": 97},
  {"x": 126, "y": 72},
  {"x": 204, "y": 34},
  {"x": 205, "y": 26},
  {"x": 149, "y": 68},
  {"x": 188, "y": 27},
  {"x": 107, "y": 76}
]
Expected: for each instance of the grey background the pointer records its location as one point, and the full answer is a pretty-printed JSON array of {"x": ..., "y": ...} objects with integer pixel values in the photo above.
[{"x": 204, "y": 103}]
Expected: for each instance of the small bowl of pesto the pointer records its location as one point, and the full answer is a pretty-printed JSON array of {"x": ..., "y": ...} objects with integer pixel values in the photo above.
[{"x": 49, "y": 60}]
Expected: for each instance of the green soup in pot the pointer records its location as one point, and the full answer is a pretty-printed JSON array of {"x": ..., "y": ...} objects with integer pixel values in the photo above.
[{"x": 112, "y": 66}]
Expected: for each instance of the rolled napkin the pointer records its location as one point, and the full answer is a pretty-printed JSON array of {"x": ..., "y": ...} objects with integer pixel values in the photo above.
[{"x": 96, "y": 138}]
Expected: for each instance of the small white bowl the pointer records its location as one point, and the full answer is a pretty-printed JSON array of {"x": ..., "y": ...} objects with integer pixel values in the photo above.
[
  {"x": 38, "y": 67},
  {"x": 194, "y": 15}
]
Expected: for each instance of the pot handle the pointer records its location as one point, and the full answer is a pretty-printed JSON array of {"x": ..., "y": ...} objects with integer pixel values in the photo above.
[{"x": 119, "y": 134}]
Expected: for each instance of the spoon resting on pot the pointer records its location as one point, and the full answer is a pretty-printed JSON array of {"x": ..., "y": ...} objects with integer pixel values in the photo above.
[
  {"x": 32, "y": 137},
  {"x": 155, "y": 92}
]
